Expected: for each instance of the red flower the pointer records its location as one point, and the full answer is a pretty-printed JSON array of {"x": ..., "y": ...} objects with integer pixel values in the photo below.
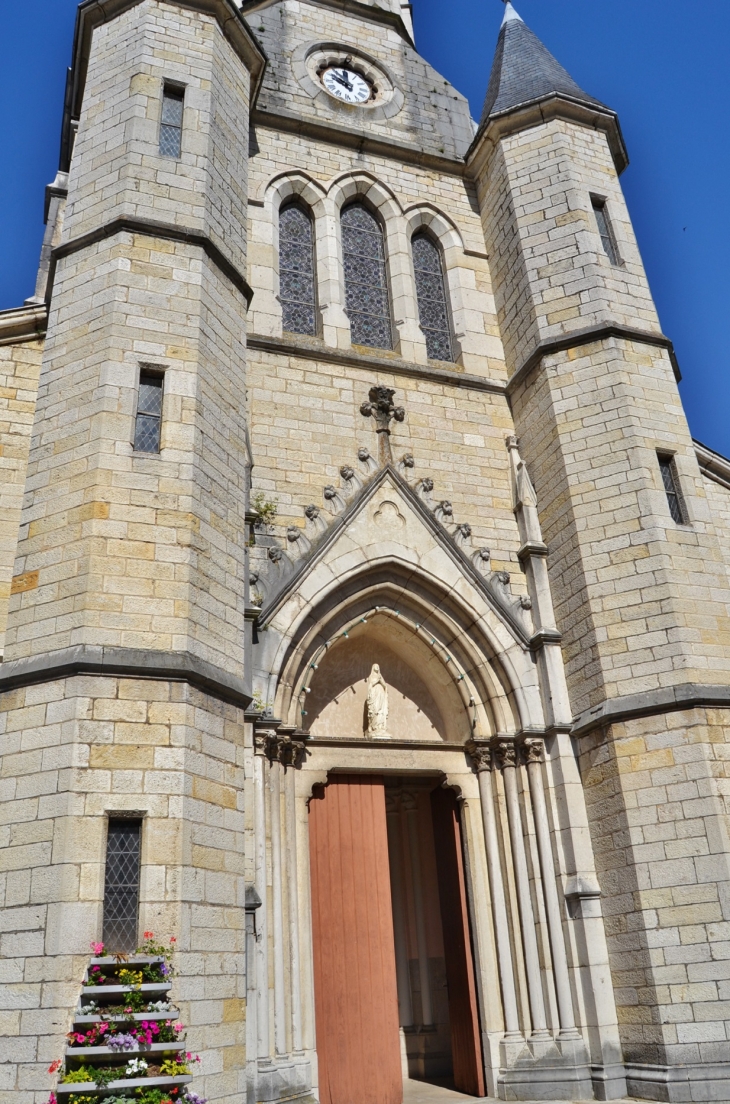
[
  {"x": 149, "y": 935},
  {"x": 173, "y": 939},
  {"x": 54, "y": 1066}
]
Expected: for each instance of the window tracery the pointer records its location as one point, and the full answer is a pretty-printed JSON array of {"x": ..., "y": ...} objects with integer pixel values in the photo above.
[
  {"x": 296, "y": 270},
  {"x": 366, "y": 287},
  {"x": 433, "y": 310}
]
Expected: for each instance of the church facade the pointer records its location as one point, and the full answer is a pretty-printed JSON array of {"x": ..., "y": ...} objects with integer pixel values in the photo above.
[{"x": 365, "y": 597}]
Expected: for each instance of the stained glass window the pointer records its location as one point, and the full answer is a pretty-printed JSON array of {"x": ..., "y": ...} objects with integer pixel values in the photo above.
[
  {"x": 172, "y": 121},
  {"x": 433, "y": 312},
  {"x": 671, "y": 487},
  {"x": 148, "y": 422},
  {"x": 121, "y": 885},
  {"x": 366, "y": 286},
  {"x": 296, "y": 271},
  {"x": 608, "y": 241}
]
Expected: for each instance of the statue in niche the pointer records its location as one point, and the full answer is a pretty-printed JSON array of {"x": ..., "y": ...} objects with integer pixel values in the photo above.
[{"x": 377, "y": 705}]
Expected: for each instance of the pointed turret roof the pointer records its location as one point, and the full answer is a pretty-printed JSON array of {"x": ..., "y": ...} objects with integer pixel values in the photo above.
[{"x": 524, "y": 70}]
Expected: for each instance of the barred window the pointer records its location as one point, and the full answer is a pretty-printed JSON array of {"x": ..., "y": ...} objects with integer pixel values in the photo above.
[
  {"x": 296, "y": 270},
  {"x": 671, "y": 488},
  {"x": 605, "y": 230},
  {"x": 172, "y": 121},
  {"x": 121, "y": 885},
  {"x": 148, "y": 423},
  {"x": 433, "y": 311},
  {"x": 366, "y": 286}
]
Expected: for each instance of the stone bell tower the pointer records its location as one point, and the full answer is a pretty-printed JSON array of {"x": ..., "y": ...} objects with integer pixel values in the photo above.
[
  {"x": 124, "y": 686},
  {"x": 640, "y": 588}
]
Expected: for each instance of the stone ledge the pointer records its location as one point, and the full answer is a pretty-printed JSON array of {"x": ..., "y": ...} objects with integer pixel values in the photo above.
[
  {"x": 164, "y": 230},
  {"x": 690, "y": 1081},
  {"x": 669, "y": 699},
  {"x": 26, "y": 323},
  {"x": 312, "y": 349},
  {"x": 588, "y": 336},
  {"x": 143, "y": 663},
  {"x": 713, "y": 464}
]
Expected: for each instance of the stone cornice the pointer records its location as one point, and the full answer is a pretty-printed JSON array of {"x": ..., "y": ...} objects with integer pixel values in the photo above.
[
  {"x": 165, "y": 230},
  {"x": 373, "y": 13},
  {"x": 351, "y": 138},
  {"x": 93, "y": 13},
  {"x": 589, "y": 336},
  {"x": 142, "y": 663},
  {"x": 667, "y": 699},
  {"x": 712, "y": 464},
  {"x": 535, "y": 113},
  {"x": 312, "y": 349},
  {"x": 21, "y": 324}
]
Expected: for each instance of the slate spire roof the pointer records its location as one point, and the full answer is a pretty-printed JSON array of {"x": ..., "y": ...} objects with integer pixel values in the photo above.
[{"x": 524, "y": 70}]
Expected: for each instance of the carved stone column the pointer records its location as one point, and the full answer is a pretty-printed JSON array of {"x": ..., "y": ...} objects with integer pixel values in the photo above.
[
  {"x": 482, "y": 758},
  {"x": 262, "y": 931},
  {"x": 410, "y": 807},
  {"x": 507, "y": 755},
  {"x": 277, "y": 752},
  {"x": 295, "y": 760},
  {"x": 534, "y": 751}
]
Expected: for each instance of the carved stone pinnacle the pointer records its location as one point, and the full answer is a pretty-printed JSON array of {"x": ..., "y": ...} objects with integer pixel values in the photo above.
[{"x": 382, "y": 408}]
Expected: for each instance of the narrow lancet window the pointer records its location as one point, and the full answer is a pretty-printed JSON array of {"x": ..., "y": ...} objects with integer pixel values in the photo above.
[
  {"x": 121, "y": 885},
  {"x": 172, "y": 121},
  {"x": 433, "y": 311},
  {"x": 608, "y": 240},
  {"x": 148, "y": 423},
  {"x": 671, "y": 488},
  {"x": 296, "y": 271},
  {"x": 366, "y": 286}
]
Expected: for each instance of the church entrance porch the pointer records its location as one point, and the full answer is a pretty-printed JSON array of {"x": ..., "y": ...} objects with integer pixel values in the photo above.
[{"x": 394, "y": 979}]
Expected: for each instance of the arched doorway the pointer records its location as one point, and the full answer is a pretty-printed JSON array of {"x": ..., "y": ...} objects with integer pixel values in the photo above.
[{"x": 395, "y": 990}]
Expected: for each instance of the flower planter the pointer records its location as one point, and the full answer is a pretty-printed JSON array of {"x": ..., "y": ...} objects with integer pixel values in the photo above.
[
  {"x": 89, "y": 1088},
  {"x": 89, "y": 1058},
  {"x": 113, "y": 1052}
]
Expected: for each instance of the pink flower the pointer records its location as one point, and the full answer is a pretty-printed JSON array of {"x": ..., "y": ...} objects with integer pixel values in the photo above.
[
  {"x": 97, "y": 948},
  {"x": 52, "y": 1099},
  {"x": 178, "y": 1027}
]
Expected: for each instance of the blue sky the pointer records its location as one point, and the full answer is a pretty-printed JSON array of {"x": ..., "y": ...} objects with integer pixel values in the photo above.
[{"x": 662, "y": 64}]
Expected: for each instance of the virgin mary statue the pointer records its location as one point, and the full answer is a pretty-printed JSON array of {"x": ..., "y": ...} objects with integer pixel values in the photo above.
[{"x": 377, "y": 706}]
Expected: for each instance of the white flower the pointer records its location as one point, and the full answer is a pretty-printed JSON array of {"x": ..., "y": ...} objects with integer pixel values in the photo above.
[{"x": 134, "y": 1066}]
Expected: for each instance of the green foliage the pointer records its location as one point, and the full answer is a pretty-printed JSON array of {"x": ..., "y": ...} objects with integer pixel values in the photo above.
[
  {"x": 174, "y": 1067},
  {"x": 154, "y": 1096},
  {"x": 265, "y": 507},
  {"x": 81, "y": 1076},
  {"x": 109, "y": 1073}
]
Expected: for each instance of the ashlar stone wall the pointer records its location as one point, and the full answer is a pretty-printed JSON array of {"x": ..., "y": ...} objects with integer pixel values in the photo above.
[
  {"x": 73, "y": 752},
  {"x": 20, "y": 367}
]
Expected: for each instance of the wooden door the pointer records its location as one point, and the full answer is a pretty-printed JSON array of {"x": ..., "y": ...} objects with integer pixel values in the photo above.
[
  {"x": 466, "y": 1045},
  {"x": 356, "y": 998}
]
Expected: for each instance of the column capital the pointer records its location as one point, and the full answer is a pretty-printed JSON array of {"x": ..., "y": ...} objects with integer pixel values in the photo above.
[
  {"x": 481, "y": 755},
  {"x": 534, "y": 751},
  {"x": 506, "y": 751}
]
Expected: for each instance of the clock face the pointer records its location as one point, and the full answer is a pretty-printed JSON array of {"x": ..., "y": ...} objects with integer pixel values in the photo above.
[{"x": 347, "y": 86}]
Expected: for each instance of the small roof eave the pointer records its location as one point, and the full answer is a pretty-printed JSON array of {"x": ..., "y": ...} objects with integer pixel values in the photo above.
[{"x": 535, "y": 112}]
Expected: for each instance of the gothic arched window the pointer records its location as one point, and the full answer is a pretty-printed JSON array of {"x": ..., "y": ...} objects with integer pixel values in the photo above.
[
  {"x": 366, "y": 285},
  {"x": 433, "y": 312},
  {"x": 296, "y": 270}
]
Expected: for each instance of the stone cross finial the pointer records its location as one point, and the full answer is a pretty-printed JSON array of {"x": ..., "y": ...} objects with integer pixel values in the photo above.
[{"x": 382, "y": 408}]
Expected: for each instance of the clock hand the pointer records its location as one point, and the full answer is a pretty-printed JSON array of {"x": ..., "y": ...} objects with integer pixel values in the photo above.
[{"x": 342, "y": 79}]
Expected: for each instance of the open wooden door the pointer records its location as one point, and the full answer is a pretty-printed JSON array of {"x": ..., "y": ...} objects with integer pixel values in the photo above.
[
  {"x": 466, "y": 1045},
  {"x": 356, "y": 999}
]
